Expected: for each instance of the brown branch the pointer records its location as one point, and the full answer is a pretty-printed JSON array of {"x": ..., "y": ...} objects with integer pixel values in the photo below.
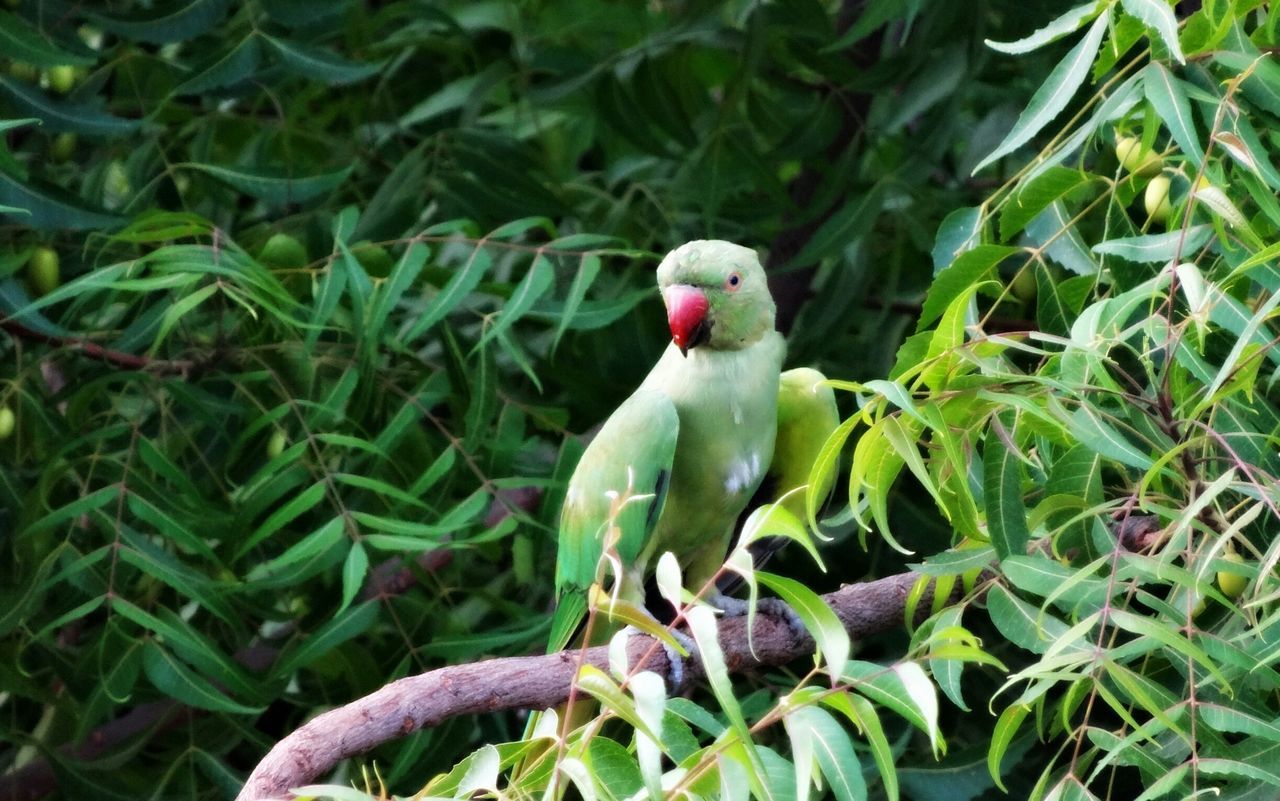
[
  {"x": 540, "y": 682},
  {"x": 128, "y": 361}
]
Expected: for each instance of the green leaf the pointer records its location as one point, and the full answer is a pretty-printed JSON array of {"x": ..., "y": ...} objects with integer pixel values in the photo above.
[
  {"x": 21, "y": 42},
  {"x": 1227, "y": 719},
  {"x": 969, "y": 268},
  {"x": 1171, "y": 638},
  {"x": 1036, "y": 195},
  {"x": 1069, "y": 22},
  {"x": 1002, "y": 490},
  {"x": 942, "y": 361},
  {"x": 826, "y": 740},
  {"x": 959, "y": 231},
  {"x": 390, "y": 291},
  {"x": 1052, "y": 229},
  {"x": 305, "y": 550},
  {"x": 72, "y": 511},
  {"x": 1170, "y": 102},
  {"x": 1021, "y": 623},
  {"x": 818, "y": 618},
  {"x": 169, "y": 22},
  {"x": 536, "y": 282},
  {"x": 1157, "y": 15},
  {"x": 463, "y": 282},
  {"x": 354, "y": 570},
  {"x": 1006, "y": 728},
  {"x": 1229, "y": 767},
  {"x": 343, "y": 627},
  {"x": 177, "y": 311},
  {"x": 613, "y": 766},
  {"x": 846, "y": 225},
  {"x": 173, "y": 678},
  {"x": 863, "y": 715},
  {"x": 1088, "y": 426},
  {"x": 588, "y": 269},
  {"x": 320, "y": 64},
  {"x": 1156, "y": 248},
  {"x": 297, "y": 505},
  {"x": 1263, "y": 84},
  {"x": 702, "y": 624},
  {"x": 902, "y": 687},
  {"x": 227, "y": 69},
  {"x": 272, "y": 187},
  {"x": 1052, "y": 97},
  {"x": 61, "y": 116}
]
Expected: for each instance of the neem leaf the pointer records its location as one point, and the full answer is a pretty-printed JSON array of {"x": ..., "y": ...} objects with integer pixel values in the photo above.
[
  {"x": 61, "y": 116},
  {"x": 1054, "y": 94},
  {"x": 1157, "y": 15},
  {"x": 320, "y": 64},
  {"x": 49, "y": 208},
  {"x": 273, "y": 188},
  {"x": 21, "y": 42},
  {"x": 173, "y": 22},
  {"x": 226, "y": 69},
  {"x": 1069, "y": 22},
  {"x": 172, "y": 677},
  {"x": 1170, "y": 102}
]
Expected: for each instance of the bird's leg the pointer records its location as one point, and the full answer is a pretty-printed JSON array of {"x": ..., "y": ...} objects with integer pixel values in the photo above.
[
  {"x": 774, "y": 607},
  {"x": 675, "y": 675}
]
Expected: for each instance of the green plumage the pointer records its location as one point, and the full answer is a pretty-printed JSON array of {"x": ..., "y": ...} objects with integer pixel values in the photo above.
[{"x": 675, "y": 465}]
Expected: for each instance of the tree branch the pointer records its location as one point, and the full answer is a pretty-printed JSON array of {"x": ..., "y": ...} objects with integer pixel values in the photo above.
[
  {"x": 127, "y": 361},
  {"x": 539, "y": 682}
]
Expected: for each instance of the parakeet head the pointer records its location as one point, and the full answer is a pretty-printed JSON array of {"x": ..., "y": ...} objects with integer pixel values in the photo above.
[{"x": 716, "y": 295}]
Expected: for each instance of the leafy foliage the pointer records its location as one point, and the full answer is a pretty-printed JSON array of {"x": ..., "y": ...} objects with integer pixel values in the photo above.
[
  {"x": 1118, "y": 460},
  {"x": 304, "y": 300}
]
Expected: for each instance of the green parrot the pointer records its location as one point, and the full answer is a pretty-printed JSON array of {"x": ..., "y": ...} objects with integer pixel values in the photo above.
[{"x": 676, "y": 464}]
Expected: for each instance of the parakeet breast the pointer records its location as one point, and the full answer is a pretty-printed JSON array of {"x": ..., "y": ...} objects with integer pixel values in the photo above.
[{"x": 727, "y": 405}]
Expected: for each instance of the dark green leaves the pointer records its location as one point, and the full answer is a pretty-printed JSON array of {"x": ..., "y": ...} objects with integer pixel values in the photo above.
[
  {"x": 50, "y": 208},
  {"x": 320, "y": 64},
  {"x": 174, "y": 21},
  {"x": 19, "y": 41},
  {"x": 60, "y": 115},
  {"x": 273, "y": 187}
]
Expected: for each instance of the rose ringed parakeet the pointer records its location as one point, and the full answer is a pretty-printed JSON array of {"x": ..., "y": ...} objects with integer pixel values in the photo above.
[{"x": 676, "y": 464}]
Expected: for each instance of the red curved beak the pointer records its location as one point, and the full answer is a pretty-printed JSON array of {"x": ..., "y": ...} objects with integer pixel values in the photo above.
[{"x": 686, "y": 316}]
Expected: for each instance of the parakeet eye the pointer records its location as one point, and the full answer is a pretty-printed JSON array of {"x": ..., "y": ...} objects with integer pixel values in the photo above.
[{"x": 732, "y": 282}]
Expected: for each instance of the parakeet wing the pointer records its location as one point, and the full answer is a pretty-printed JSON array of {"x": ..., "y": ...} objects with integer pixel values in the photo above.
[
  {"x": 807, "y": 415},
  {"x": 622, "y": 479}
]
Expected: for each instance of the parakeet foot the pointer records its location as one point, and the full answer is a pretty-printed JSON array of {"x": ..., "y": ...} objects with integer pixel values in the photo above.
[
  {"x": 675, "y": 673},
  {"x": 774, "y": 607}
]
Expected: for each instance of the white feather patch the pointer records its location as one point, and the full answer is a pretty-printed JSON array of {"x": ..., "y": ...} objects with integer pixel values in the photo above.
[{"x": 743, "y": 474}]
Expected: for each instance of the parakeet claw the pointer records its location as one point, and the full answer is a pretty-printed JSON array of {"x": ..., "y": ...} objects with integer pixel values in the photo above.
[
  {"x": 675, "y": 661},
  {"x": 774, "y": 607}
]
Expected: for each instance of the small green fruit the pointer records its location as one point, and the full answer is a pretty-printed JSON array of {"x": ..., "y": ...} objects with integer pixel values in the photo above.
[
  {"x": 275, "y": 445},
  {"x": 24, "y": 71},
  {"x": 283, "y": 252},
  {"x": 62, "y": 79},
  {"x": 375, "y": 259},
  {"x": 1156, "y": 199},
  {"x": 44, "y": 270},
  {"x": 1232, "y": 584},
  {"x": 63, "y": 147},
  {"x": 1024, "y": 285},
  {"x": 6, "y": 422},
  {"x": 1134, "y": 158}
]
